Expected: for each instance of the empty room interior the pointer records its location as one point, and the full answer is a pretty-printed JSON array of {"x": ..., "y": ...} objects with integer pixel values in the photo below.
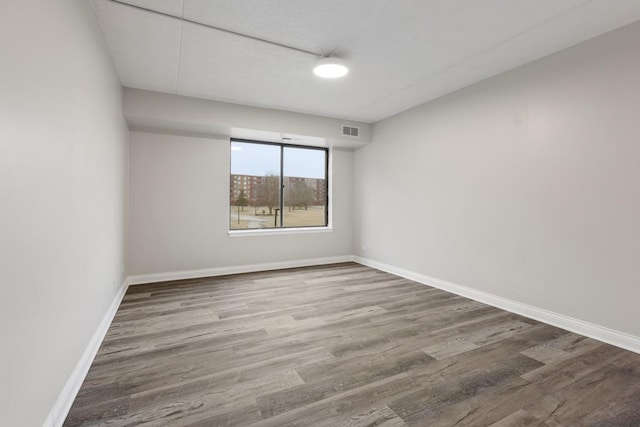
[{"x": 323, "y": 213}]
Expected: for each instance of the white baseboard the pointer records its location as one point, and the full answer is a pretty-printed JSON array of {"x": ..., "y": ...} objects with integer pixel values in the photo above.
[
  {"x": 63, "y": 404},
  {"x": 236, "y": 269},
  {"x": 591, "y": 330}
]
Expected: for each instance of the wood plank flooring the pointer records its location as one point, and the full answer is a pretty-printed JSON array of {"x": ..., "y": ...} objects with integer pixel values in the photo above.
[{"x": 344, "y": 345}]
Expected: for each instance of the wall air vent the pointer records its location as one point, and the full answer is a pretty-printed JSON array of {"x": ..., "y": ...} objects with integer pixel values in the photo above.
[{"x": 350, "y": 131}]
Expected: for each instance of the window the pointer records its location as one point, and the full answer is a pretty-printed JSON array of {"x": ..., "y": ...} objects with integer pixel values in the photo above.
[{"x": 277, "y": 186}]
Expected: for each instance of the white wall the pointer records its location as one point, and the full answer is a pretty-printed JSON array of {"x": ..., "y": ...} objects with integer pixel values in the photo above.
[
  {"x": 63, "y": 156},
  {"x": 525, "y": 186},
  {"x": 180, "y": 217}
]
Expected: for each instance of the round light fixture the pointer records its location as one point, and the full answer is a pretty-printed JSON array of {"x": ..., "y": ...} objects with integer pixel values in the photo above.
[{"x": 330, "y": 67}]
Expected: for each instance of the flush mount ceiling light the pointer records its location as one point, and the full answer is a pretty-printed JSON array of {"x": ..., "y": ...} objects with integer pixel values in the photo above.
[{"x": 330, "y": 67}]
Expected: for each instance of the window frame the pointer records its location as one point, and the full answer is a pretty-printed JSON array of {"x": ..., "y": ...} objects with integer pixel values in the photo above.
[{"x": 281, "y": 228}]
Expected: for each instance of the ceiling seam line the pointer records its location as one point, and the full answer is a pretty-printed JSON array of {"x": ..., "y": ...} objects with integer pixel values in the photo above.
[
  {"x": 183, "y": 19},
  {"x": 180, "y": 45}
]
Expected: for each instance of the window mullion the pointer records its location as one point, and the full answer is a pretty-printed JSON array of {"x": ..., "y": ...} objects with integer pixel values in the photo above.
[{"x": 281, "y": 186}]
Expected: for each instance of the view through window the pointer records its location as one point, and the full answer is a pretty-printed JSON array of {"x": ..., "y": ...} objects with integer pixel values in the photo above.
[{"x": 277, "y": 186}]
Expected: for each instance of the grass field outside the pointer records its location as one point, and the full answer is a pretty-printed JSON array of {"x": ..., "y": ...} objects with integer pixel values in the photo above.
[{"x": 313, "y": 216}]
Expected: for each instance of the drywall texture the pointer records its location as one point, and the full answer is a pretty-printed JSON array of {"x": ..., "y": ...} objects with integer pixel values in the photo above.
[
  {"x": 180, "y": 217},
  {"x": 524, "y": 186},
  {"x": 63, "y": 145}
]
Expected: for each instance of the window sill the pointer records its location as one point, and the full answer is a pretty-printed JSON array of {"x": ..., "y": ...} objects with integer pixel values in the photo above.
[{"x": 279, "y": 231}]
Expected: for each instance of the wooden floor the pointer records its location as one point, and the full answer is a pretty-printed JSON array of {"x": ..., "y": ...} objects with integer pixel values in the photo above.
[{"x": 344, "y": 345}]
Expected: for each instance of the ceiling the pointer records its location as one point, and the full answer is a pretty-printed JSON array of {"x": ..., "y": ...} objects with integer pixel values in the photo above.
[{"x": 401, "y": 53}]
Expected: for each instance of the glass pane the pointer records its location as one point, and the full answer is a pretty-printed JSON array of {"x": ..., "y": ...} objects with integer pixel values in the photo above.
[
  {"x": 305, "y": 187},
  {"x": 255, "y": 182}
]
